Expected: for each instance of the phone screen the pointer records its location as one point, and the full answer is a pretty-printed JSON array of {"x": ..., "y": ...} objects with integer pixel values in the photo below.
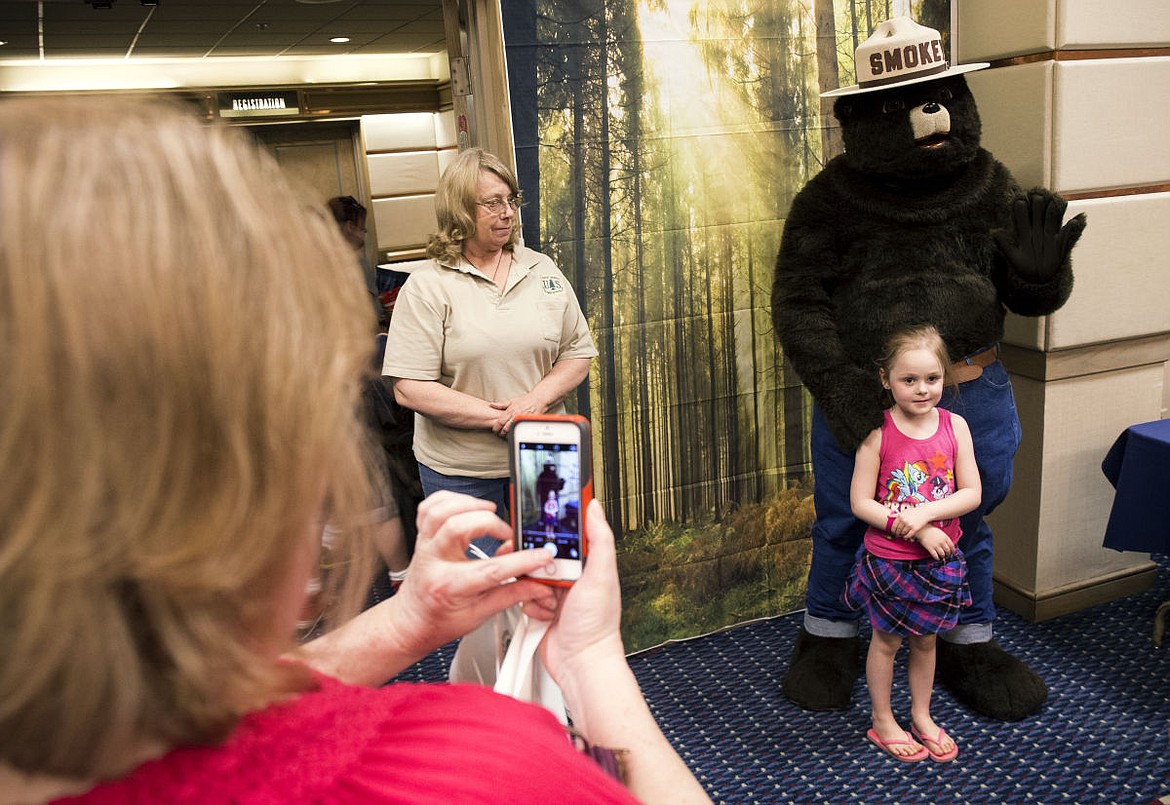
[{"x": 549, "y": 497}]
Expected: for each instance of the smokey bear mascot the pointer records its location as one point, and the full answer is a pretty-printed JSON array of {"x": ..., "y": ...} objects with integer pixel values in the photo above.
[{"x": 914, "y": 224}]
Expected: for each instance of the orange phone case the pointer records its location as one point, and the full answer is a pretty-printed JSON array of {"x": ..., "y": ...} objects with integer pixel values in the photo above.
[{"x": 586, "y": 457}]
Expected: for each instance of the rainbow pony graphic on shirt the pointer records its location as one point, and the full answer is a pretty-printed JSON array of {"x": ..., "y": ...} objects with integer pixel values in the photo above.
[{"x": 908, "y": 483}]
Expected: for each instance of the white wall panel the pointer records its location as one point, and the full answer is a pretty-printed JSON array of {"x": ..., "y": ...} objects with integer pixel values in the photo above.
[
  {"x": 1122, "y": 273},
  {"x": 1110, "y": 122},
  {"x": 1040, "y": 548},
  {"x": 1015, "y": 105},
  {"x": 446, "y": 157},
  {"x": 1079, "y": 126},
  {"x": 1127, "y": 23},
  {"x": 986, "y": 30},
  {"x": 1082, "y": 418},
  {"x": 445, "y": 136},
  {"x": 412, "y": 131},
  {"x": 405, "y": 155},
  {"x": 404, "y": 222},
  {"x": 1025, "y": 331},
  {"x": 402, "y": 174}
]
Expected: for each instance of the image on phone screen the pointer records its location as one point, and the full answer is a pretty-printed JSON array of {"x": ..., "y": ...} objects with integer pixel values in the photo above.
[{"x": 549, "y": 481}]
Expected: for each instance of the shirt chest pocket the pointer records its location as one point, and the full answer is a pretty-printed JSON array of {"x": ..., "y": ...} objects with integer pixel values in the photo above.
[{"x": 552, "y": 316}]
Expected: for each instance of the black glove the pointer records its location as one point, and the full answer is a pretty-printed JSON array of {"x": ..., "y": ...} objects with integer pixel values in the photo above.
[{"x": 1039, "y": 245}]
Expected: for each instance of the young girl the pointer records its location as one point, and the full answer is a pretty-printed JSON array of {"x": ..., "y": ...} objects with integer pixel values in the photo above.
[
  {"x": 551, "y": 510},
  {"x": 913, "y": 478}
]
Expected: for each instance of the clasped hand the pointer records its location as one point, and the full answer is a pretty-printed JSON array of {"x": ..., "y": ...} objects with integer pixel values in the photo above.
[
  {"x": 510, "y": 409},
  {"x": 915, "y": 524}
]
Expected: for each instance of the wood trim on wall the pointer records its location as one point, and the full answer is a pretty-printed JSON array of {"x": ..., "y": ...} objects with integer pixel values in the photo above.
[
  {"x": 1090, "y": 359},
  {"x": 1081, "y": 55},
  {"x": 493, "y": 107},
  {"x": 1074, "y": 598},
  {"x": 1115, "y": 192}
]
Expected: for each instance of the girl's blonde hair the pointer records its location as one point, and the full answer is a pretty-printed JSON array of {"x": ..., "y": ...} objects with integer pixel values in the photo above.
[
  {"x": 455, "y": 203},
  {"x": 922, "y": 336},
  {"x": 182, "y": 341}
]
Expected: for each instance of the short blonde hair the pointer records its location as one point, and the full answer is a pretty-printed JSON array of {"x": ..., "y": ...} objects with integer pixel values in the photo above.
[
  {"x": 919, "y": 336},
  {"x": 455, "y": 203},
  {"x": 182, "y": 340}
]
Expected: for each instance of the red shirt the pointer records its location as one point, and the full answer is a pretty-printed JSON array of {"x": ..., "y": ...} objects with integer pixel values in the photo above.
[{"x": 401, "y": 743}]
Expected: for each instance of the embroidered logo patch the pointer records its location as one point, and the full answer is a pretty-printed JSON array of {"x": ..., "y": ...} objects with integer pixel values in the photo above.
[{"x": 552, "y": 285}]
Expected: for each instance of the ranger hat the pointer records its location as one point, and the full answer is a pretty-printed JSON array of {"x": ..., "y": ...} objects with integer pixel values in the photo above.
[{"x": 899, "y": 52}]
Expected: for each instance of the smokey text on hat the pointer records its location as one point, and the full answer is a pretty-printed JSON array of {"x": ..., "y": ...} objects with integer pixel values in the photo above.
[{"x": 894, "y": 60}]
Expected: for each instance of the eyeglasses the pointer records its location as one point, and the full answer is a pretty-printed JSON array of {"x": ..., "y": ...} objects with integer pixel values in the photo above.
[{"x": 496, "y": 205}]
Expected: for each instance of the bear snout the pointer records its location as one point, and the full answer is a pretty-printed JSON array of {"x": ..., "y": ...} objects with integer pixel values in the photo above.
[{"x": 930, "y": 124}]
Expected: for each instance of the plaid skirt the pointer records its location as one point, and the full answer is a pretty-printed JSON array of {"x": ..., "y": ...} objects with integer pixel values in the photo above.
[{"x": 909, "y": 596}]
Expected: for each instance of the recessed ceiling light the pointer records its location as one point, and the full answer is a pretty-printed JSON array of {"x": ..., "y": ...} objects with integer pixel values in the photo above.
[{"x": 339, "y": 40}]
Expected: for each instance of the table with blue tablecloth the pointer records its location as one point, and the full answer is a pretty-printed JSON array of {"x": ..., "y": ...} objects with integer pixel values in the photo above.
[{"x": 1138, "y": 466}]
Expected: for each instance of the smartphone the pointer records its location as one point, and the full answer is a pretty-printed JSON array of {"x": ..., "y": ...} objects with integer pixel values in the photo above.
[{"x": 551, "y": 486}]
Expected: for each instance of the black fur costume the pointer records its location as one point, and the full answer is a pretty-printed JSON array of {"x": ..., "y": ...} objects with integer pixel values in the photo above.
[{"x": 914, "y": 223}]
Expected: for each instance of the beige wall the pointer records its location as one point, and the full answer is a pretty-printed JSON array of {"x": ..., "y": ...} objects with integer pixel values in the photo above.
[
  {"x": 405, "y": 155},
  {"x": 1076, "y": 101}
]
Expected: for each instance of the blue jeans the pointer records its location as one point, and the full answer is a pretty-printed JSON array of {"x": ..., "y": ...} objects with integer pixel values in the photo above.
[
  {"x": 988, "y": 405},
  {"x": 494, "y": 490}
]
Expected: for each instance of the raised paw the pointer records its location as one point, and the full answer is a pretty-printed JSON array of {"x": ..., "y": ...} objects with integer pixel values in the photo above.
[{"x": 1038, "y": 244}]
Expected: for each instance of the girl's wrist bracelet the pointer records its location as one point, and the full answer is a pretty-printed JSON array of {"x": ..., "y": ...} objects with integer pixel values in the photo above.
[{"x": 890, "y": 524}]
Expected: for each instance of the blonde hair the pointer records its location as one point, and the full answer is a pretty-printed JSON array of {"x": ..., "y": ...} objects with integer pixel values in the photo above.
[
  {"x": 182, "y": 341},
  {"x": 922, "y": 336},
  {"x": 455, "y": 203}
]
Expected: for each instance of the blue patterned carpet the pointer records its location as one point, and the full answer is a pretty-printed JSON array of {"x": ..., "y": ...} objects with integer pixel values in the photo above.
[{"x": 1102, "y": 737}]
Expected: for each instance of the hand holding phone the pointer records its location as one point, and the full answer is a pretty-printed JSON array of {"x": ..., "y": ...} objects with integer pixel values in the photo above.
[{"x": 551, "y": 486}]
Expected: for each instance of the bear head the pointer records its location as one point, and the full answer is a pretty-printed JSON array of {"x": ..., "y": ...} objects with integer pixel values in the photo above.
[{"x": 912, "y": 132}]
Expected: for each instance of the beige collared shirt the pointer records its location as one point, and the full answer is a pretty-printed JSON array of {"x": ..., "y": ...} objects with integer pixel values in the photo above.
[{"x": 452, "y": 324}]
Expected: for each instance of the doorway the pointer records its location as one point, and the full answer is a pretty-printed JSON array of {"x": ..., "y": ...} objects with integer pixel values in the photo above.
[{"x": 323, "y": 159}]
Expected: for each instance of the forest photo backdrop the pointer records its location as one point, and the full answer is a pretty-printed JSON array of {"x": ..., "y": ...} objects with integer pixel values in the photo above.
[{"x": 659, "y": 144}]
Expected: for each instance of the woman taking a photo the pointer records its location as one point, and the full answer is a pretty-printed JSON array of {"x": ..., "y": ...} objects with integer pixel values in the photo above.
[
  {"x": 485, "y": 330},
  {"x": 179, "y": 421}
]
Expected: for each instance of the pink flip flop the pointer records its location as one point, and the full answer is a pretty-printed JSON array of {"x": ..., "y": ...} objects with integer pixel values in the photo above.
[
  {"x": 921, "y": 754},
  {"x": 929, "y": 743}
]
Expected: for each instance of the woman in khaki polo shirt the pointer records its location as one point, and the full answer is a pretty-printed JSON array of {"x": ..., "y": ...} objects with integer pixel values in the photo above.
[{"x": 485, "y": 330}]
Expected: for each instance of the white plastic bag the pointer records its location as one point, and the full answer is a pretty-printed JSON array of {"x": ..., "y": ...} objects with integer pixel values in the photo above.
[{"x": 502, "y": 653}]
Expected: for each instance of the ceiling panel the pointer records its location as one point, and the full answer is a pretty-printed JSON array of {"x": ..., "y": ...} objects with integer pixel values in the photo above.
[{"x": 210, "y": 28}]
